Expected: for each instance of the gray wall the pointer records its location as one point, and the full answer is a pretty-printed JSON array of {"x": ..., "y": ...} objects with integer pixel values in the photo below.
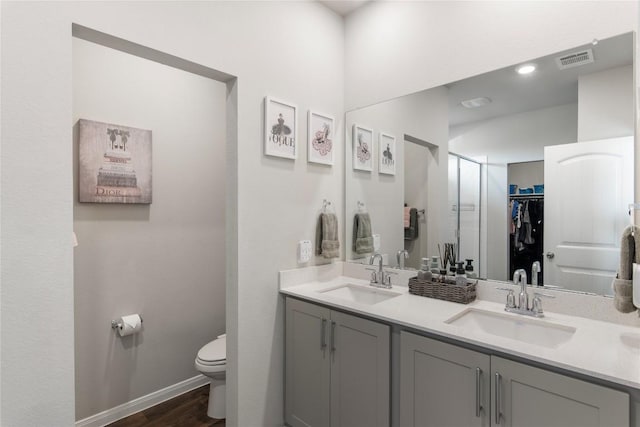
[{"x": 166, "y": 260}]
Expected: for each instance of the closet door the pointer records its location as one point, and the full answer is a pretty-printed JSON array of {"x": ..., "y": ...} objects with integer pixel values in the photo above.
[
  {"x": 442, "y": 384},
  {"x": 588, "y": 189},
  {"x": 525, "y": 396},
  {"x": 360, "y": 372},
  {"x": 307, "y": 364}
]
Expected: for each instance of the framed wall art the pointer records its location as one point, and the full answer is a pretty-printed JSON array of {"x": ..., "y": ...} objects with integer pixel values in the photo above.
[
  {"x": 321, "y": 142},
  {"x": 387, "y": 154},
  {"x": 114, "y": 163},
  {"x": 362, "y": 148},
  {"x": 281, "y": 128}
]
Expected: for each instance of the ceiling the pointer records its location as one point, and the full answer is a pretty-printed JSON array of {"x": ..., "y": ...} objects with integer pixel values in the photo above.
[
  {"x": 343, "y": 7},
  {"x": 546, "y": 87}
]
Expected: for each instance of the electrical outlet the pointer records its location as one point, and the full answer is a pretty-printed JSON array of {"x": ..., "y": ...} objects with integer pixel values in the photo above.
[
  {"x": 376, "y": 242},
  {"x": 304, "y": 251}
]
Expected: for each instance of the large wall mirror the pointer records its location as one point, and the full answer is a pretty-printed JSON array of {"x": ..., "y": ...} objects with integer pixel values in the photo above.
[{"x": 509, "y": 168}]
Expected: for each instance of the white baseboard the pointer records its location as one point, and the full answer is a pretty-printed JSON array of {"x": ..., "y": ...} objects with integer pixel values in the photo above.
[{"x": 140, "y": 404}]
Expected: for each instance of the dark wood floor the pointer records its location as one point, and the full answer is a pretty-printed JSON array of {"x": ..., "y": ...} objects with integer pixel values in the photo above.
[{"x": 187, "y": 410}]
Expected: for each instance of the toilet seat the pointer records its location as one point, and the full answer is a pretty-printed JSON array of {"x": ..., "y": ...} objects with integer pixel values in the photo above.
[{"x": 214, "y": 353}]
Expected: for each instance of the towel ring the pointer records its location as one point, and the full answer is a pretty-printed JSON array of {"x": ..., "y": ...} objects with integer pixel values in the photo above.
[{"x": 325, "y": 204}]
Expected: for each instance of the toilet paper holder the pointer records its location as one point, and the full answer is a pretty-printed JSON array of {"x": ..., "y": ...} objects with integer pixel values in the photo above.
[{"x": 116, "y": 324}]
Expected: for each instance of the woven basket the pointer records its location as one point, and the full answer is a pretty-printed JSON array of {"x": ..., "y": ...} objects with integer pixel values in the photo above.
[{"x": 443, "y": 291}]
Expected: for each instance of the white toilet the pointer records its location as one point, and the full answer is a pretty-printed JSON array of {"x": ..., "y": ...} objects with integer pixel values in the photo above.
[{"x": 212, "y": 362}]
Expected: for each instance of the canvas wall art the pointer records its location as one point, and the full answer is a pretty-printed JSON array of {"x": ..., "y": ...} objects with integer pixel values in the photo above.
[
  {"x": 281, "y": 128},
  {"x": 362, "y": 148},
  {"x": 321, "y": 144},
  {"x": 114, "y": 163},
  {"x": 387, "y": 155}
]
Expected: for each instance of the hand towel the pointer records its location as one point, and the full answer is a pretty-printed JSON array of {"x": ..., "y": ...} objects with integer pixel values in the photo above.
[
  {"x": 327, "y": 241},
  {"x": 407, "y": 216},
  {"x": 623, "y": 284},
  {"x": 411, "y": 232},
  {"x": 362, "y": 238}
]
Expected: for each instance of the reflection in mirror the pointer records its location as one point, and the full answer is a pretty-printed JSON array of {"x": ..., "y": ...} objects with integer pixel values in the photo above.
[{"x": 515, "y": 170}]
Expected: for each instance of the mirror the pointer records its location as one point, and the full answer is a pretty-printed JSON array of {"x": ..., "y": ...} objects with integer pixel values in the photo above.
[{"x": 505, "y": 168}]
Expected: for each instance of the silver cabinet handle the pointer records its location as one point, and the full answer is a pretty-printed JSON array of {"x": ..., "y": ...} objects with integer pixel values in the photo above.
[
  {"x": 498, "y": 404},
  {"x": 333, "y": 336},
  {"x": 478, "y": 391},
  {"x": 323, "y": 329},
  {"x": 550, "y": 255}
]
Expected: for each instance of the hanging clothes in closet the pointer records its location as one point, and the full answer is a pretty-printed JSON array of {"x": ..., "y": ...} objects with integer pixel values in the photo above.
[{"x": 526, "y": 235}]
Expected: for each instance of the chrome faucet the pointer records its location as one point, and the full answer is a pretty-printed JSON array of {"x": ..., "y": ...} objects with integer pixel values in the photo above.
[
  {"x": 379, "y": 279},
  {"x": 535, "y": 270},
  {"x": 520, "y": 278},
  {"x": 401, "y": 256}
]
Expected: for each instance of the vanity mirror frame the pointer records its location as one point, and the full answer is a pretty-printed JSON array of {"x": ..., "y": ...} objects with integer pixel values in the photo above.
[{"x": 411, "y": 132}]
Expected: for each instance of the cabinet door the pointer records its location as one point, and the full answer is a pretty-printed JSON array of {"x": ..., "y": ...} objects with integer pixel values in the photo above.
[
  {"x": 307, "y": 364},
  {"x": 442, "y": 384},
  {"x": 360, "y": 372},
  {"x": 525, "y": 396}
]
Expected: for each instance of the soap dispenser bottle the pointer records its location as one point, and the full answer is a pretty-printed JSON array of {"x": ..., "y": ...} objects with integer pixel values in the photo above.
[
  {"x": 461, "y": 278},
  {"x": 469, "y": 269},
  {"x": 424, "y": 273}
]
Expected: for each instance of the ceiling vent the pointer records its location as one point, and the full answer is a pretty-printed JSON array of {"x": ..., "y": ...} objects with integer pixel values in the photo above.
[{"x": 575, "y": 59}]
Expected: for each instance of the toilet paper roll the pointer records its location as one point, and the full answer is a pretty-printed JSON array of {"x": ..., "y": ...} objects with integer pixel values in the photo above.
[{"x": 129, "y": 325}]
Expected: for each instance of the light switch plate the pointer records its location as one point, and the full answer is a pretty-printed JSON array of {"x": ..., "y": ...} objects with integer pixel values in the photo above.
[
  {"x": 376, "y": 242},
  {"x": 304, "y": 251}
]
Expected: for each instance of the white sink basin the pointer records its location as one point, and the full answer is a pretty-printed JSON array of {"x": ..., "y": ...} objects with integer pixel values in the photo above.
[
  {"x": 360, "y": 294},
  {"x": 515, "y": 327}
]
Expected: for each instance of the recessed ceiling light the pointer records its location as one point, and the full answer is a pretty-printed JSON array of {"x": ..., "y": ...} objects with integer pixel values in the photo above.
[
  {"x": 526, "y": 69},
  {"x": 475, "y": 102}
]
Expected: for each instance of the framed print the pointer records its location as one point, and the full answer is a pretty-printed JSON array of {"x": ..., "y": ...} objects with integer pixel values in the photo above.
[
  {"x": 362, "y": 148},
  {"x": 387, "y": 154},
  {"x": 321, "y": 138},
  {"x": 114, "y": 163},
  {"x": 281, "y": 128}
]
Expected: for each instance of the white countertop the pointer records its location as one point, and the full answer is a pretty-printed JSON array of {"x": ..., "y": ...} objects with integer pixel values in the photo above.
[{"x": 603, "y": 350}]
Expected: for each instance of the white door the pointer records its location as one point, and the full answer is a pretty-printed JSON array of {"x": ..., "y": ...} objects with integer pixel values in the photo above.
[{"x": 588, "y": 189}]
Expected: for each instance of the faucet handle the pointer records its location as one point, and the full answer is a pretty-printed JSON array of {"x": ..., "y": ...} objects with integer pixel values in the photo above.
[
  {"x": 374, "y": 275},
  {"x": 511, "y": 298},
  {"x": 537, "y": 303}
]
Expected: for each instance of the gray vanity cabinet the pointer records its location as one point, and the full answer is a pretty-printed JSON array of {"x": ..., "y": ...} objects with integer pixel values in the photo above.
[
  {"x": 447, "y": 385},
  {"x": 337, "y": 368},
  {"x": 442, "y": 384},
  {"x": 528, "y": 396}
]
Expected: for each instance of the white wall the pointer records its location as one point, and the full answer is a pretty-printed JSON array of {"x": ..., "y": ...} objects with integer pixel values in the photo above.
[
  {"x": 605, "y": 104},
  {"x": 397, "y": 48},
  {"x": 270, "y": 48},
  {"x": 165, "y": 260},
  {"x": 391, "y": 49},
  {"x": 422, "y": 115},
  {"x": 509, "y": 139}
]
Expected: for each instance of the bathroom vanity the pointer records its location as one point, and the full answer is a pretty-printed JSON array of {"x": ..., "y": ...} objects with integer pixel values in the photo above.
[{"x": 358, "y": 355}]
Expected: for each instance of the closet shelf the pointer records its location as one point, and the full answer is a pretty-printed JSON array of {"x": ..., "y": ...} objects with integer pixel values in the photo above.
[{"x": 527, "y": 196}]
